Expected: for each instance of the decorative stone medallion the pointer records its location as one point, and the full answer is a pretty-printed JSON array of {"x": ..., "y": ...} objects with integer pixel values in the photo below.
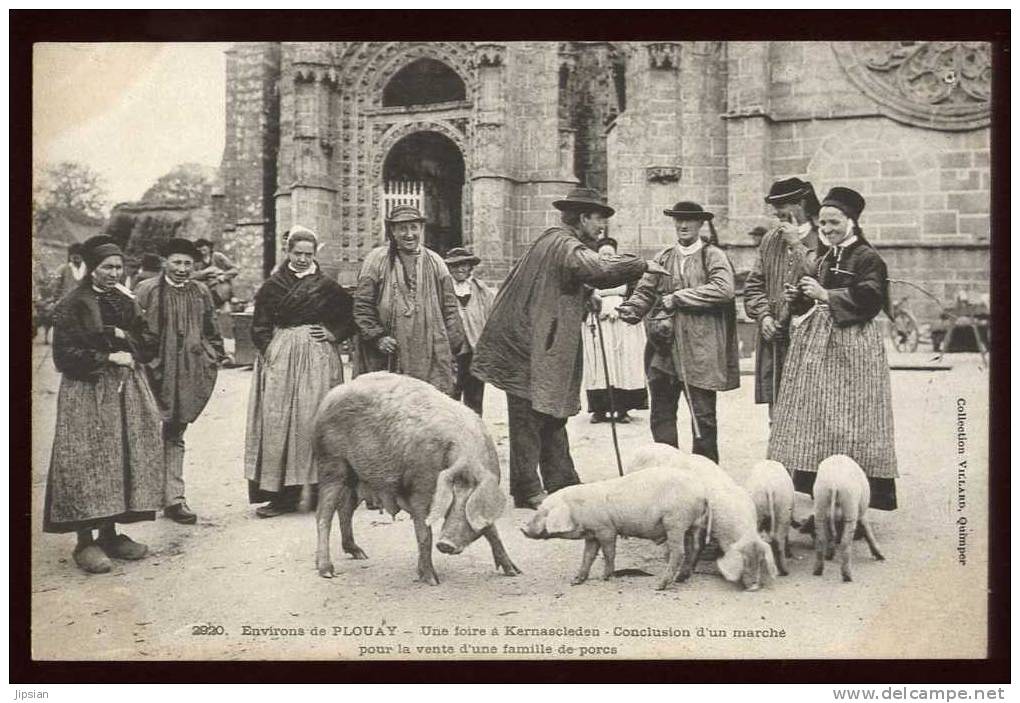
[{"x": 934, "y": 84}]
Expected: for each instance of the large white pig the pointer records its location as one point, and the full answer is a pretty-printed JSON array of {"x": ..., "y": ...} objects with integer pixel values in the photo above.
[{"x": 415, "y": 449}]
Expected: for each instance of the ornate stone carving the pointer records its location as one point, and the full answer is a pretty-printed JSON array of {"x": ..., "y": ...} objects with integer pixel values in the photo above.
[
  {"x": 664, "y": 55},
  {"x": 937, "y": 84},
  {"x": 490, "y": 54},
  {"x": 315, "y": 73},
  {"x": 663, "y": 174}
]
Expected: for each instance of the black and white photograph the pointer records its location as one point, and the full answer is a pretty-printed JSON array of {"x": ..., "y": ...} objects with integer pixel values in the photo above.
[{"x": 511, "y": 350}]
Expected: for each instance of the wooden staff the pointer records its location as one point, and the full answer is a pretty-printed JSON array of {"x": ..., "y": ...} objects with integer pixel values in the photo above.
[
  {"x": 683, "y": 376},
  {"x": 609, "y": 388}
]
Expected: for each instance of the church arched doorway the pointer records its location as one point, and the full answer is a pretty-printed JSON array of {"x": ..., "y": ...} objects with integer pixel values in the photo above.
[{"x": 426, "y": 169}]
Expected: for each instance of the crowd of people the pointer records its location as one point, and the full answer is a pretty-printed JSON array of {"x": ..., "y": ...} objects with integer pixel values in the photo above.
[{"x": 139, "y": 356}]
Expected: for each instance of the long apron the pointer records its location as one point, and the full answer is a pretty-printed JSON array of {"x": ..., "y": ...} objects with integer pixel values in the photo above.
[
  {"x": 836, "y": 399},
  {"x": 107, "y": 458},
  {"x": 287, "y": 386}
]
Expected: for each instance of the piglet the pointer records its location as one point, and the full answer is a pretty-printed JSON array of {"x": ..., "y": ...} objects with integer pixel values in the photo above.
[
  {"x": 660, "y": 503},
  {"x": 842, "y": 496},
  {"x": 746, "y": 558},
  {"x": 411, "y": 448},
  {"x": 771, "y": 489}
]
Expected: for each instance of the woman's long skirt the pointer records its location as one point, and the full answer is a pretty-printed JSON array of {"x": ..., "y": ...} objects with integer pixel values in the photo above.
[
  {"x": 107, "y": 459},
  {"x": 625, "y": 349},
  {"x": 835, "y": 398},
  {"x": 287, "y": 387}
]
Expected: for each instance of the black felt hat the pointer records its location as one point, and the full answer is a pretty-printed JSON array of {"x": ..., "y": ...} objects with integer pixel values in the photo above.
[
  {"x": 788, "y": 190},
  {"x": 178, "y": 245},
  {"x": 847, "y": 200},
  {"x": 687, "y": 210},
  {"x": 584, "y": 200}
]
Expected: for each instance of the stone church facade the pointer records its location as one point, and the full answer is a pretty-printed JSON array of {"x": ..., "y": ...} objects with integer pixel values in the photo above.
[{"x": 484, "y": 136}]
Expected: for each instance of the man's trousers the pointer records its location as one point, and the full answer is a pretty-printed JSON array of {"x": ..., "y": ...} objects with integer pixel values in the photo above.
[
  {"x": 537, "y": 441},
  {"x": 665, "y": 391}
]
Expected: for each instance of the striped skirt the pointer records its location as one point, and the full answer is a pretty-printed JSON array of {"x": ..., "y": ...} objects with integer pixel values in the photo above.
[
  {"x": 286, "y": 389},
  {"x": 107, "y": 459},
  {"x": 835, "y": 398}
]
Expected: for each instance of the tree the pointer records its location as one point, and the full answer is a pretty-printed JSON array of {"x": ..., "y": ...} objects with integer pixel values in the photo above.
[
  {"x": 186, "y": 184},
  {"x": 68, "y": 186}
]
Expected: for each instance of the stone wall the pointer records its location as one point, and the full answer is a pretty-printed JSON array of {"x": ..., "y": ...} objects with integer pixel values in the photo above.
[
  {"x": 793, "y": 111},
  {"x": 655, "y": 122},
  {"x": 248, "y": 169}
]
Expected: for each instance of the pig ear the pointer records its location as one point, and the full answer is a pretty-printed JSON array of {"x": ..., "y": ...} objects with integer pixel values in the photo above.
[
  {"x": 443, "y": 496},
  {"x": 486, "y": 502},
  {"x": 731, "y": 564},
  {"x": 559, "y": 519}
]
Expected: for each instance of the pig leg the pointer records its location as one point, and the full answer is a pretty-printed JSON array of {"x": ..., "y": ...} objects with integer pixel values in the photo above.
[
  {"x": 869, "y": 536},
  {"x": 691, "y": 538},
  {"x": 329, "y": 498},
  {"x": 675, "y": 543},
  {"x": 607, "y": 542},
  {"x": 780, "y": 547},
  {"x": 821, "y": 542},
  {"x": 499, "y": 554},
  {"x": 699, "y": 538},
  {"x": 845, "y": 548},
  {"x": 348, "y": 501},
  {"x": 423, "y": 533},
  {"x": 591, "y": 549}
]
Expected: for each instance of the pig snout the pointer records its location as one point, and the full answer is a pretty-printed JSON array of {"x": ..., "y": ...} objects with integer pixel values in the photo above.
[
  {"x": 447, "y": 547},
  {"x": 457, "y": 532}
]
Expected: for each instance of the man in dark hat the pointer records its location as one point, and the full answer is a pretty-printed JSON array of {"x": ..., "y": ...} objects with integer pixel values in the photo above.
[
  {"x": 181, "y": 311},
  {"x": 531, "y": 345},
  {"x": 475, "y": 301},
  {"x": 405, "y": 308},
  {"x": 692, "y": 335},
  {"x": 786, "y": 253}
]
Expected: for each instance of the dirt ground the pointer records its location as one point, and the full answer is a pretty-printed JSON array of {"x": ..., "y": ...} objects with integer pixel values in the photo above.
[{"x": 238, "y": 587}]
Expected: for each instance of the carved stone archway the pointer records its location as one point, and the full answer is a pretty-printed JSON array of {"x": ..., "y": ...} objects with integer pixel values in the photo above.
[{"x": 387, "y": 136}]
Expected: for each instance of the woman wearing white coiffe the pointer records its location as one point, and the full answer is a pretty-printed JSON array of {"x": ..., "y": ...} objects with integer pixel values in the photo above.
[
  {"x": 625, "y": 348},
  {"x": 301, "y": 316}
]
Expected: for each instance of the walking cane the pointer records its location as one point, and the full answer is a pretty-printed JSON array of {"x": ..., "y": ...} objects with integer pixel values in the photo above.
[
  {"x": 609, "y": 388},
  {"x": 775, "y": 371}
]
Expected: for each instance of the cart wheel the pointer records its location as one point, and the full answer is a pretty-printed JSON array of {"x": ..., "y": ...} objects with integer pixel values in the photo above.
[{"x": 904, "y": 331}]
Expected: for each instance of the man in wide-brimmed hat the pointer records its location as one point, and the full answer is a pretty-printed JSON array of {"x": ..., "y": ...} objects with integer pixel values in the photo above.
[
  {"x": 405, "y": 308},
  {"x": 181, "y": 311},
  {"x": 475, "y": 302},
  {"x": 786, "y": 252},
  {"x": 692, "y": 335},
  {"x": 531, "y": 345}
]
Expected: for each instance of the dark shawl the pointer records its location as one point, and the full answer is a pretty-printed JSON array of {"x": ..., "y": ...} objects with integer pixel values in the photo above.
[
  {"x": 84, "y": 336},
  {"x": 284, "y": 300},
  {"x": 857, "y": 280}
]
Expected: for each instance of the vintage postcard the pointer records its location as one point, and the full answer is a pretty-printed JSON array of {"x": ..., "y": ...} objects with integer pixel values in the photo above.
[{"x": 789, "y": 247}]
